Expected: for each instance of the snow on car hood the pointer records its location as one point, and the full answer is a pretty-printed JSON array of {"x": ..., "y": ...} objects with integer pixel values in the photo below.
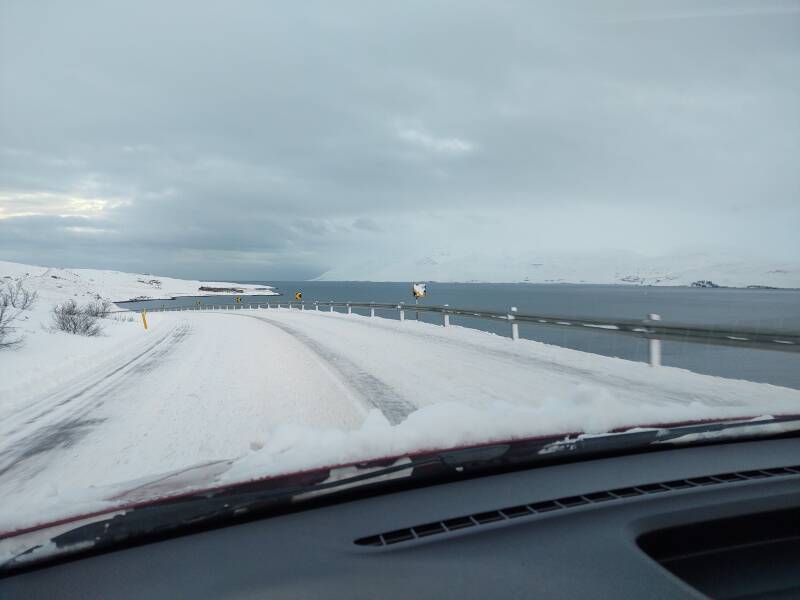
[{"x": 295, "y": 449}]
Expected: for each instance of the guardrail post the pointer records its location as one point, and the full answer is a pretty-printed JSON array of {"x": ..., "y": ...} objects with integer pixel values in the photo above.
[
  {"x": 349, "y": 309},
  {"x": 316, "y": 306},
  {"x": 330, "y": 307},
  {"x": 446, "y": 318},
  {"x": 372, "y": 311},
  {"x": 514, "y": 324},
  {"x": 402, "y": 312},
  {"x": 654, "y": 345},
  {"x": 302, "y": 306}
]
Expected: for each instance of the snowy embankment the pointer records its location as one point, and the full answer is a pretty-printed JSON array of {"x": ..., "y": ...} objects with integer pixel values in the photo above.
[
  {"x": 45, "y": 356},
  {"x": 206, "y": 398}
]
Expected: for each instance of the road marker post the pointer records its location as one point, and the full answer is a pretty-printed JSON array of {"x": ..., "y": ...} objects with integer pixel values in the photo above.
[
  {"x": 144, "y": 318},
  {"x": 514, "y": 324},
  {"x": 446, "y": 318},
  {"x": 654, "y": 345}
]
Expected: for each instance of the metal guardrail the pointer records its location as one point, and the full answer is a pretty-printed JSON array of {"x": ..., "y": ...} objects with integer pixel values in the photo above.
[{"x": 650, "y": 328}]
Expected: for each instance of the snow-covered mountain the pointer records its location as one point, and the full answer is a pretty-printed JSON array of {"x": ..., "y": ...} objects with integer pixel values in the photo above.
[{"x": 614, "y": 268}]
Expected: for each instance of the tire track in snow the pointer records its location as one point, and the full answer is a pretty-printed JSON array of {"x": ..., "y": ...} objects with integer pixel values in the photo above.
[
  {"x": 372, "y": 390},
  {"x": 49, "y": 401},
  {"x": 69, "y": 410},
  {"x": 510, "y": 357}
]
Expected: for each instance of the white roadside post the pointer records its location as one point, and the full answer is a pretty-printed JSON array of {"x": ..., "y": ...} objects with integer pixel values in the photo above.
[
  {"x": 402, "y": 312},
  {"x": 655, "y": 344},
  {"x": 349, "y": 309},
  {"x": 514, "y": 324},
  {"x": 316, "y": 305},
  {"x": 302, "y": 306},
  {"x": 330, "y": 307},
  {"x": 446, "y": 318},
  {"x": 372, "y": 311}
]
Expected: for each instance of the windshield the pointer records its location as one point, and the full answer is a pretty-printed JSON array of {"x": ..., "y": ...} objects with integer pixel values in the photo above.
[{"x": 256, "y": 240}]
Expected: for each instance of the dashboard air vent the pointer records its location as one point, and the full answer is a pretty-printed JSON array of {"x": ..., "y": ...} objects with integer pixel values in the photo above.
[{"x": 524, "y": 510}]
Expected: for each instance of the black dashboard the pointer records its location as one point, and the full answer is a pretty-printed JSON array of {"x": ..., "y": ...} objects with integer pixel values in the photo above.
[{"x": 720, "y": 521}]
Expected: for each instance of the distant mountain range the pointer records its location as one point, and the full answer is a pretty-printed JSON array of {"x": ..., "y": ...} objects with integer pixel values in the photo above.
[{"x": 604, "y": 268}]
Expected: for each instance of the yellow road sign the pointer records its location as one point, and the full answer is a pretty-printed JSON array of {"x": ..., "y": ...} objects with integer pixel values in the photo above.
[
  {"x": 144, "y": 319},
  {"x": 298, "y": 295}
]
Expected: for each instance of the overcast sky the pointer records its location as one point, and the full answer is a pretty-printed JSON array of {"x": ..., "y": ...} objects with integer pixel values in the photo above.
[{"x": 275, "y": 140}]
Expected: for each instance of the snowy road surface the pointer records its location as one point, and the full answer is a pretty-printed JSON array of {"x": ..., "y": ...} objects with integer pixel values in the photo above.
[{"x": 278, "y": 390}]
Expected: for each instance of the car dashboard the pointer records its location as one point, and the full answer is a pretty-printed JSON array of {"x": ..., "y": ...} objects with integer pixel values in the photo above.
[{"x": 720, "y": 521}]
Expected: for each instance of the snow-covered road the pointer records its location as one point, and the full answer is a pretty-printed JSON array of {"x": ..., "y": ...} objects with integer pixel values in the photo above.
[{"x": 276, "y": 390}]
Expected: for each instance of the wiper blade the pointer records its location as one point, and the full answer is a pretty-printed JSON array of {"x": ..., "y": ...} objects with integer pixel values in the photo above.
[
  {"x": 714, "y": 431},
  {"x": 220, "y": 506}
]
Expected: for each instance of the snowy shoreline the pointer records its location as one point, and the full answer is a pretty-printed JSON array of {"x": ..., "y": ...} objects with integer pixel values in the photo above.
[
  {"x": 117, "y": 286},
  {"x": 567, "y": 283},
  {"x": 605, "y": 268}
]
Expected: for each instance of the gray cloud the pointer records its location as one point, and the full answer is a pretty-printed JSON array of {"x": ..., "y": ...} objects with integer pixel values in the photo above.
[{"x": 273, "y": 140}]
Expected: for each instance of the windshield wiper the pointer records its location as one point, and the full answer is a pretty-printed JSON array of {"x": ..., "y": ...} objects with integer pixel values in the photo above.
[
  {"x": 224, "y": 506},
  {"x": 206, "y": 509}
]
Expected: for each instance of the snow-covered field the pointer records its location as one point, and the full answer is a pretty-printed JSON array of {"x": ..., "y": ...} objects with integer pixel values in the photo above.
[{"x": 220, "y": 396}]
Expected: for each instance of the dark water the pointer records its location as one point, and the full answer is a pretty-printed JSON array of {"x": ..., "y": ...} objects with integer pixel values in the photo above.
[{"x": 773, "y": 309}]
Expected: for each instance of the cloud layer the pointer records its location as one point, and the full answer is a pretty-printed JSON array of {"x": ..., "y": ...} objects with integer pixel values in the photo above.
[{"x": 276, "y": 140}]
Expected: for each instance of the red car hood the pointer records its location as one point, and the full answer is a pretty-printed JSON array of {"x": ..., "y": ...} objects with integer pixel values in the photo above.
[{"x": 195, "y": 480}]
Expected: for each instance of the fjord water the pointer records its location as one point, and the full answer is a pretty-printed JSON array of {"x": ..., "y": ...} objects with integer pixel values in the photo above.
[{"x": 768, "y": 309}]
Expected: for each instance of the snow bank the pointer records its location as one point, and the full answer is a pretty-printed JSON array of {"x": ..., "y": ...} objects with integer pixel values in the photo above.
[{"x": 48, "y": 356}]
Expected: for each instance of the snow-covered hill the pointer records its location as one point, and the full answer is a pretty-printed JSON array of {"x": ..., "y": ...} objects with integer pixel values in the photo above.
[
  {"x": 88, "y": 284},
  {"x": 613, "y": 268}
]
